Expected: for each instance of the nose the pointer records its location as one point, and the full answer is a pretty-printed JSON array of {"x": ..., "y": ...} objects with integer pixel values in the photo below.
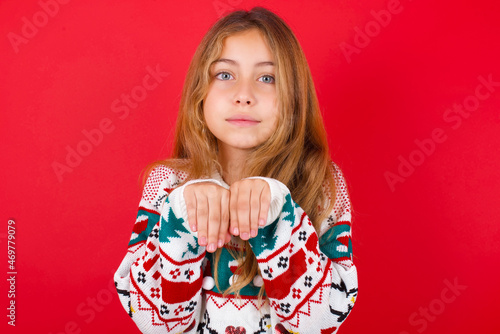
[
  {"x": 244, "y": 94},
  {"x": 243, "y": 101}
]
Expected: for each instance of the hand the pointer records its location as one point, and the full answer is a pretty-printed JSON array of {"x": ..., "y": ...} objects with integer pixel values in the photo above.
[
  {"x": 248, "y": 207},
  {"x": 207, "y": 206}
]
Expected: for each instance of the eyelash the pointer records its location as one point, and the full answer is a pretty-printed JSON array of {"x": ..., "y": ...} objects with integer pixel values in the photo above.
[{"x": 265, "y": 75}]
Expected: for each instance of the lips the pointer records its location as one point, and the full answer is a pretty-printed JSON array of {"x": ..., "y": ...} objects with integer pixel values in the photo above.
[{"x": 242, "y": 120}]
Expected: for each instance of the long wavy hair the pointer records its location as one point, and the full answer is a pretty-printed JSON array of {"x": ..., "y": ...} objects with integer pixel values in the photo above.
[{"x": 296, "y": 153}]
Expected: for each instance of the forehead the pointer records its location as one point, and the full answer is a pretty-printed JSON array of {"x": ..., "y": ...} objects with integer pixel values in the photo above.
[{"x": 248, "y": 45}]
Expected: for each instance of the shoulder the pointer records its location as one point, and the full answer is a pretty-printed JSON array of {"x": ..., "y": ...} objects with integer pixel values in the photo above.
[
  {"x": 342, "y": 194},
  {"x": 342, "y": 208},
  {"x": 342, "y": 198},
  {"x": 160, "y": 182}
]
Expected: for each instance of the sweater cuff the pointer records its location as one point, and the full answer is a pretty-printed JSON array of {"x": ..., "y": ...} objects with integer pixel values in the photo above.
[{"x": 278, "y": 194}]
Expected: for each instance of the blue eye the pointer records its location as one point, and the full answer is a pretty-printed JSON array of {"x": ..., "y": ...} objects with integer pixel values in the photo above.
[
  {"x": 226, "y": 74},
  {"x": 270, "y": 80}
]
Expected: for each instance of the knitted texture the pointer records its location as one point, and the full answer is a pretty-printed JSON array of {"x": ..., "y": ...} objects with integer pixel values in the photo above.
[{"x": 165, "y": 279}]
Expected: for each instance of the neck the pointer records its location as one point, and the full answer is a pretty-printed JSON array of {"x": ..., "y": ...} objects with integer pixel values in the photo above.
[{"x": 232, "y": 161}]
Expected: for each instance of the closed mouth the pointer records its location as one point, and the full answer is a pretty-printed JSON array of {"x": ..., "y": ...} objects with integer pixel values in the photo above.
[{"x": 242, "y": 121}]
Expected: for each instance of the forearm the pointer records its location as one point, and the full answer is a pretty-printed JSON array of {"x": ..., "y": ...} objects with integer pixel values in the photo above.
[
  {"x": 160, "y": 279},
  {"x": 305, "y": 287}
]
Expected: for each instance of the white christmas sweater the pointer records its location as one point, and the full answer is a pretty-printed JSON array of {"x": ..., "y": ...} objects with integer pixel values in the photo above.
[{"x": 164, "y": 282}]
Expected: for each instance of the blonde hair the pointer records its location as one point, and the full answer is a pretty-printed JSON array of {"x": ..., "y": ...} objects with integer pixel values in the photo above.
[{"x": 296, "y": 153}]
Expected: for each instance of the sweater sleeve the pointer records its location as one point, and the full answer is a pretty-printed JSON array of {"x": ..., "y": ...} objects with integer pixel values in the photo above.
[
  {"x": 311, "y": 281},
  {"x": 160, "y": 279}
]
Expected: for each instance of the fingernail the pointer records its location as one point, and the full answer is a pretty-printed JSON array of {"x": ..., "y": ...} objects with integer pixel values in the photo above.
[
  {"x": 193, "y": 228},
  {"x": 253, "y": 233},
  {"x": 203, "y": 241},
  {"x": 220, "y": 243},
  {"x": 262, "y": 222},
  {"x": 235, "y": 231},
  {"x": 244, "y": 236},
  {"x": 211, "y": 247}
]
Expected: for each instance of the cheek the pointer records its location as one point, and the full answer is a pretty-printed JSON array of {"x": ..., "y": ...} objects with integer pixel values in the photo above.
[
  {"x": 275, "y": 118},
  {"x": 209, "y": 107},
  {"x": 272, "y": 126}
]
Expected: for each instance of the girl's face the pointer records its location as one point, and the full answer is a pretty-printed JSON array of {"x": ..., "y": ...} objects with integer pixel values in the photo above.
[{"x": 240, "y": 108}]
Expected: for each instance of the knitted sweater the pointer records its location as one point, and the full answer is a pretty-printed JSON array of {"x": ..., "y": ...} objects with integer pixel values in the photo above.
[{"x": 165, "y": 280}]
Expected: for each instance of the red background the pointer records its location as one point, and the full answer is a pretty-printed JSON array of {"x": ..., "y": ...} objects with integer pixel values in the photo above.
[{"x": 437, "y": 224}]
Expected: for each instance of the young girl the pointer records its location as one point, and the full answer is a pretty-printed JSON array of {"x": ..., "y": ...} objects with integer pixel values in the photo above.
[{"x": 246, "y": 229}]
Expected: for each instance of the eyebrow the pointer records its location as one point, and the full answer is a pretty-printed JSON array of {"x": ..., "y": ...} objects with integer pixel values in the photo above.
[{"x": 233, "y": 62}]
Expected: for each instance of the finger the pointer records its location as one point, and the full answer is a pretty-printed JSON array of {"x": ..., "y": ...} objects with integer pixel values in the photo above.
[
  {"x": 224, "y": 221},
  {"x": 227, "y": 238},
  {"x": 243, "y": 213},
  {"x": 265, "y": 203},
  {"x": 190, "y": 200},
  {"x": 233, "y": 211},
  {"x": 202, "y": 218},
  {"x": 214, "y": 217},
  {"x": 255, "y": 209}
]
